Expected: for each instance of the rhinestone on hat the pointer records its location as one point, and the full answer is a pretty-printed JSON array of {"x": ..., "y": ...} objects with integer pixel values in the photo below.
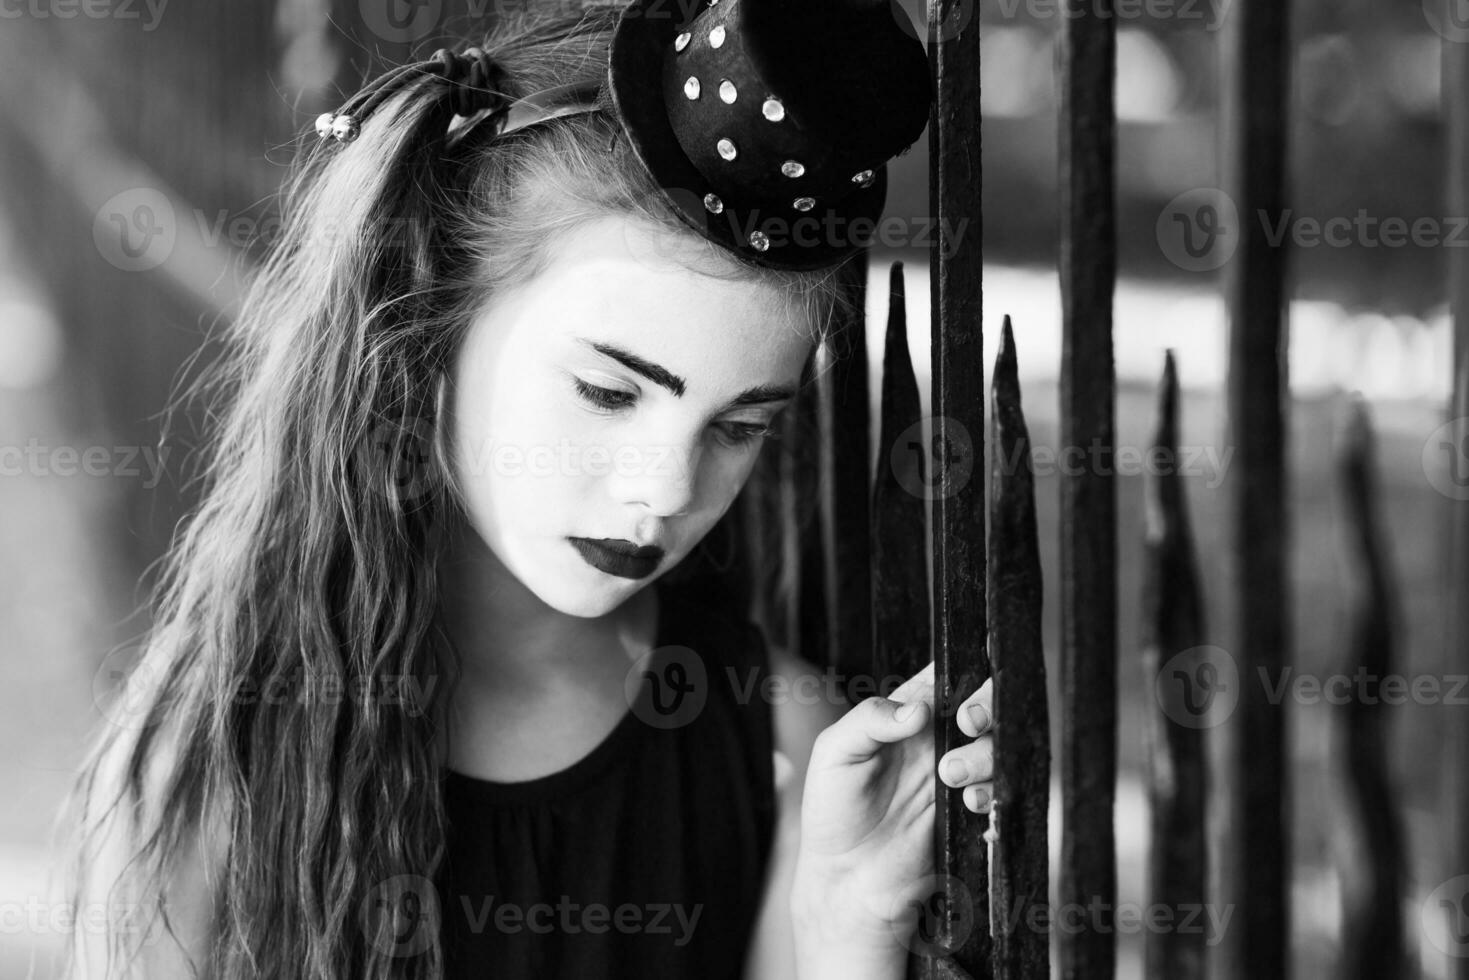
[
  {"x": 759, "y": 240},
  {"x": 773, "y": 109},
  {"x": 726, "y": 148},
  {"x": 716, "y": 36},
  {"x": 344, "y": 128},
  {"x": 682, "y": 41},
  {"x": 727, "y": 91},
  {"x": 713, "y": 204},
  {"x": 793, "y": 168},
  {"x": 804, "y": 203},
  {"x": 691, "y": 87},
  {"x": 862, "y": 178}
]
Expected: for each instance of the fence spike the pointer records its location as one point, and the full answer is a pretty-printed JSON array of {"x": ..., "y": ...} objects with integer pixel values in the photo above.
[
  {"x": 1019, "y": 864},
  {"x": 1170, "y": 638},
  {"x": 1372, "y": 928}
]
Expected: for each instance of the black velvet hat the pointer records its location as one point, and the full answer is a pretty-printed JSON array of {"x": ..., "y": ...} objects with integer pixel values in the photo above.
[{"x": 768, "y": 124}]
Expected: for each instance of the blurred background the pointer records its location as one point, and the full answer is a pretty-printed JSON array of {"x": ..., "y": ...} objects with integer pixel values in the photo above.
[{"x": 143, "y": 142}]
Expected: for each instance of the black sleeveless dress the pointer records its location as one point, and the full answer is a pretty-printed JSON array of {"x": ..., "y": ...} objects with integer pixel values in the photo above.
[{"x": 647, "y": 857}]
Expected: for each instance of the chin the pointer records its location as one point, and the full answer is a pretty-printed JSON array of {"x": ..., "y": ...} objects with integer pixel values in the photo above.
[
  {"x": 588, "y": 593},
  {"x": 592, "y": 604}
]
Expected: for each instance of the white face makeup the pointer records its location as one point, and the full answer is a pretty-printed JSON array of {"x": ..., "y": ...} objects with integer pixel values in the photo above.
[{"x": 617, "y": 395}]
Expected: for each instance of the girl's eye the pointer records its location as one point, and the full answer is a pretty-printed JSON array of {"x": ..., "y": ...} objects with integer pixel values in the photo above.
[
  {"x": 605, "y": 398},
  {"x": 743, "y": 432},
  {"x": 735, "y": 433}
]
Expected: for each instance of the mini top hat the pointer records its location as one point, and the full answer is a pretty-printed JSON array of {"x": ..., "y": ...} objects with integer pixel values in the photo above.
[{"x": 768, "y": 124}]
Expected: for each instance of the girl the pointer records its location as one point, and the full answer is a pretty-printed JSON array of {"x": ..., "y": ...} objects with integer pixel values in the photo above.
[{"x": 410, "y": 707}]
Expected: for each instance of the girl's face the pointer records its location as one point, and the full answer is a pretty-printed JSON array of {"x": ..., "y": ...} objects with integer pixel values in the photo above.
[{"x": 617, "y": 395}]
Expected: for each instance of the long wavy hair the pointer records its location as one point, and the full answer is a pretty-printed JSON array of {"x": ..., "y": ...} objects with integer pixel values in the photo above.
[{"x": 309, "y": 565}]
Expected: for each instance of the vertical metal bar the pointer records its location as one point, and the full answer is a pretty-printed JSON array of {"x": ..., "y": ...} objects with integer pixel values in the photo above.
[
  {"x": 1171, "y": 637},
  {"x": 1457, "y": 757},
  {"x": 1019, "y": 819},
  {"x": 959, "y": 622},
  {"x": 1455, "y": 95},
  {"x": 1455, "y": 89},
  {"x": 900, "y": 626},
  {"x": 1256, "y": 69},
  {"x": 1372, "y": 930},
  {"x": 845, "y": 413},
  {"x": 1088, "y": 136}
]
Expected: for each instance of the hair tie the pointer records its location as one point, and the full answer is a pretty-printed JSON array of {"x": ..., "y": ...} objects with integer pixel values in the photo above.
[{"x": 475, "y": 81}]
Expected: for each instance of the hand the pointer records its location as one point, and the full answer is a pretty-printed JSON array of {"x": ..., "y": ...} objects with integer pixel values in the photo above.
[{"x": 867, "y": 816}]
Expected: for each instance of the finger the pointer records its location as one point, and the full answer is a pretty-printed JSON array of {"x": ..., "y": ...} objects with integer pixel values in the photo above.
[
  {"x": 862, "y": 732},
  {"x": 976, "y": 715},
  {"x": 972, "y": 763},
  {"x": 979, "y": 796},
  {"x": 919, "y": 685}
]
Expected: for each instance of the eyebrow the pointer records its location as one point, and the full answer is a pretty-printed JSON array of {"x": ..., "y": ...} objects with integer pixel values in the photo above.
[{"x": 661, "y": 376}]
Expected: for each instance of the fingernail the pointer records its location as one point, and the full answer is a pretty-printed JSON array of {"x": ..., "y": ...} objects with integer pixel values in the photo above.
[
  {"x": 956, "y": 771},
  {"x": 906, "y": 711},
  {"x": 983, "y": 798},
  {"x": 979, "y": 716}
]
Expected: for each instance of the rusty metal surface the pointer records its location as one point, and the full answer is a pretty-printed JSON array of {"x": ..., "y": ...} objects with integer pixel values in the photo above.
[
  {"x": 1020, "y": 886},
  {"x": 1170, "y": 637},
  {"x": 959, "y": 622},
  {"x": 1088, "y": 133}
]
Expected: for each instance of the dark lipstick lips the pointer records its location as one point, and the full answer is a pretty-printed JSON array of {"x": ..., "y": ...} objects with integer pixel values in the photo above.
[{"x": 618, "y": 556}]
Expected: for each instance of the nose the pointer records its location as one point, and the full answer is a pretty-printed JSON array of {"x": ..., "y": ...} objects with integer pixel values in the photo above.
[{"x": 660, "y": 475}]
